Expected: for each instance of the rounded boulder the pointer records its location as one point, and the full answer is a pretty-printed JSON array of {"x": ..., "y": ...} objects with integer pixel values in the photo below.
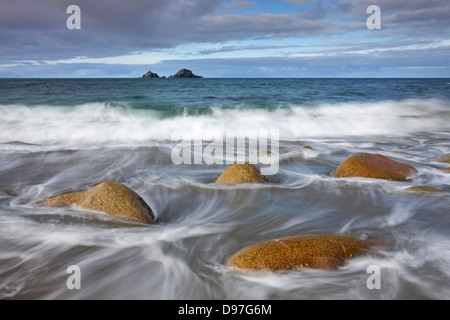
[
  {"x": 374, "y": 166},
  {"x": 112, "y": 198},
  {"x": 296, "y": 252},
  {"x": 241, "y": 173}
]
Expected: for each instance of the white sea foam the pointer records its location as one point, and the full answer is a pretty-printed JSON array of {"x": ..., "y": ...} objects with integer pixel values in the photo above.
[{"x": 97, "y": 124}]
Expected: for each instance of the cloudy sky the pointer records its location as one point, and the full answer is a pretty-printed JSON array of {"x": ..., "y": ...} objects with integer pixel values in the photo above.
[{"x": 225, "y": 38}]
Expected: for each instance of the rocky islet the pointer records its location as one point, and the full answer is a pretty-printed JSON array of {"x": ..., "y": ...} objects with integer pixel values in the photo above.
[
  {"x": 181, "y": 74},
  {"x": 150, "y": 75},
  {"x": 185, "y": 73}
]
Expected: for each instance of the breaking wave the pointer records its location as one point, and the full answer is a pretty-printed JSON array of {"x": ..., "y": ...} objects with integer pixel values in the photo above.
[{"x": 95, "y": 124}]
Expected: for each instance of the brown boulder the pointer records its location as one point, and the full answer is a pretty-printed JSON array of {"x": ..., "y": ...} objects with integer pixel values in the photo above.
[
  {"x": 446, "y": 169},
  {"x": 241, "y": 173},
  {"x": 109, "y": 197},
  {"x": 295, "y": 252},
  {"x": 374, "y": 166}
]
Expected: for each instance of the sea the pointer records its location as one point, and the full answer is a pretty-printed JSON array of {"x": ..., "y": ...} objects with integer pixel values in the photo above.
[{"x": 64, "y": 135}]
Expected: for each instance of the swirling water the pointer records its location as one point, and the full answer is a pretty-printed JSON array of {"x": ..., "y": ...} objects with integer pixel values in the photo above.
[{"x": 62, "y": 135}]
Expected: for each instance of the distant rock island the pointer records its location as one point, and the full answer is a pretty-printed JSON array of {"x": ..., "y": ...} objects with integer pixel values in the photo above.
[
  {"x": 183, "y": 73},
  {"x": 150, "y": 75}
]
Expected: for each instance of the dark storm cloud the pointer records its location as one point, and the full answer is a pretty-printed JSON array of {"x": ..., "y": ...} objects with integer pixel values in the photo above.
[
  {"x": 230, "y": 27},
  {"x": 108, "y": 27},
  {"x": 412, "y": 15},
  {"x": 236, "y": 6},
  {"x": 299, "y": 2},
  {"x": 36, "y": 29}
]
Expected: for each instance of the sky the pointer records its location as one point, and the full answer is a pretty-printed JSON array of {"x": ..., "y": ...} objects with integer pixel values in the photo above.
[{"x": 225, "y": 38}]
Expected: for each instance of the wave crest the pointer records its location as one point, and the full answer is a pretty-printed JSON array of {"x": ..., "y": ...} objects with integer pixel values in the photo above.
[{"x": 100, "y": 124}]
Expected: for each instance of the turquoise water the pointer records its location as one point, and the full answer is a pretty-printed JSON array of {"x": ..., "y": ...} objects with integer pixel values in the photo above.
[
  {"x": 62, "y": 135},
  {"x": 163, "y": 94}
]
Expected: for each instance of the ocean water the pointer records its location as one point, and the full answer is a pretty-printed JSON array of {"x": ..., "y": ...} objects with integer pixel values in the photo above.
[{"x": 62, "y": 135}]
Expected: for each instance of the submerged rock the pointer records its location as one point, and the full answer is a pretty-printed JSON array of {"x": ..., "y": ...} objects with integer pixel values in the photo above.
[
  {"x": 434, "y": 141},
  {"x": 112, "y": 198},
  {"x": 241, "y": 173},
  {"x": 20, "y": 143},
  {"x": 295, "y": 252},
  {"x": 374, "y": 166},
  {"x": 184, "y": 73},
  {"x": 421, "y": 189},
  {"x": 445, "y": 158},
  {"x": 446, "y": 169}
]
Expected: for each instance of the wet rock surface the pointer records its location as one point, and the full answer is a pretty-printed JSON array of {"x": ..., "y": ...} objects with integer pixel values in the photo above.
[
  {"x": 112, "y": 198},
  {"x": 241, "y": 173},
  {"x": 296, "y": 252},
  {"x": 421, "y": 189},
  {"x": 374, "y": 166}
]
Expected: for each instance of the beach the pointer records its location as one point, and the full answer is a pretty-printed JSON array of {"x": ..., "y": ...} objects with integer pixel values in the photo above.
[{"x": 61, "y": 136}]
